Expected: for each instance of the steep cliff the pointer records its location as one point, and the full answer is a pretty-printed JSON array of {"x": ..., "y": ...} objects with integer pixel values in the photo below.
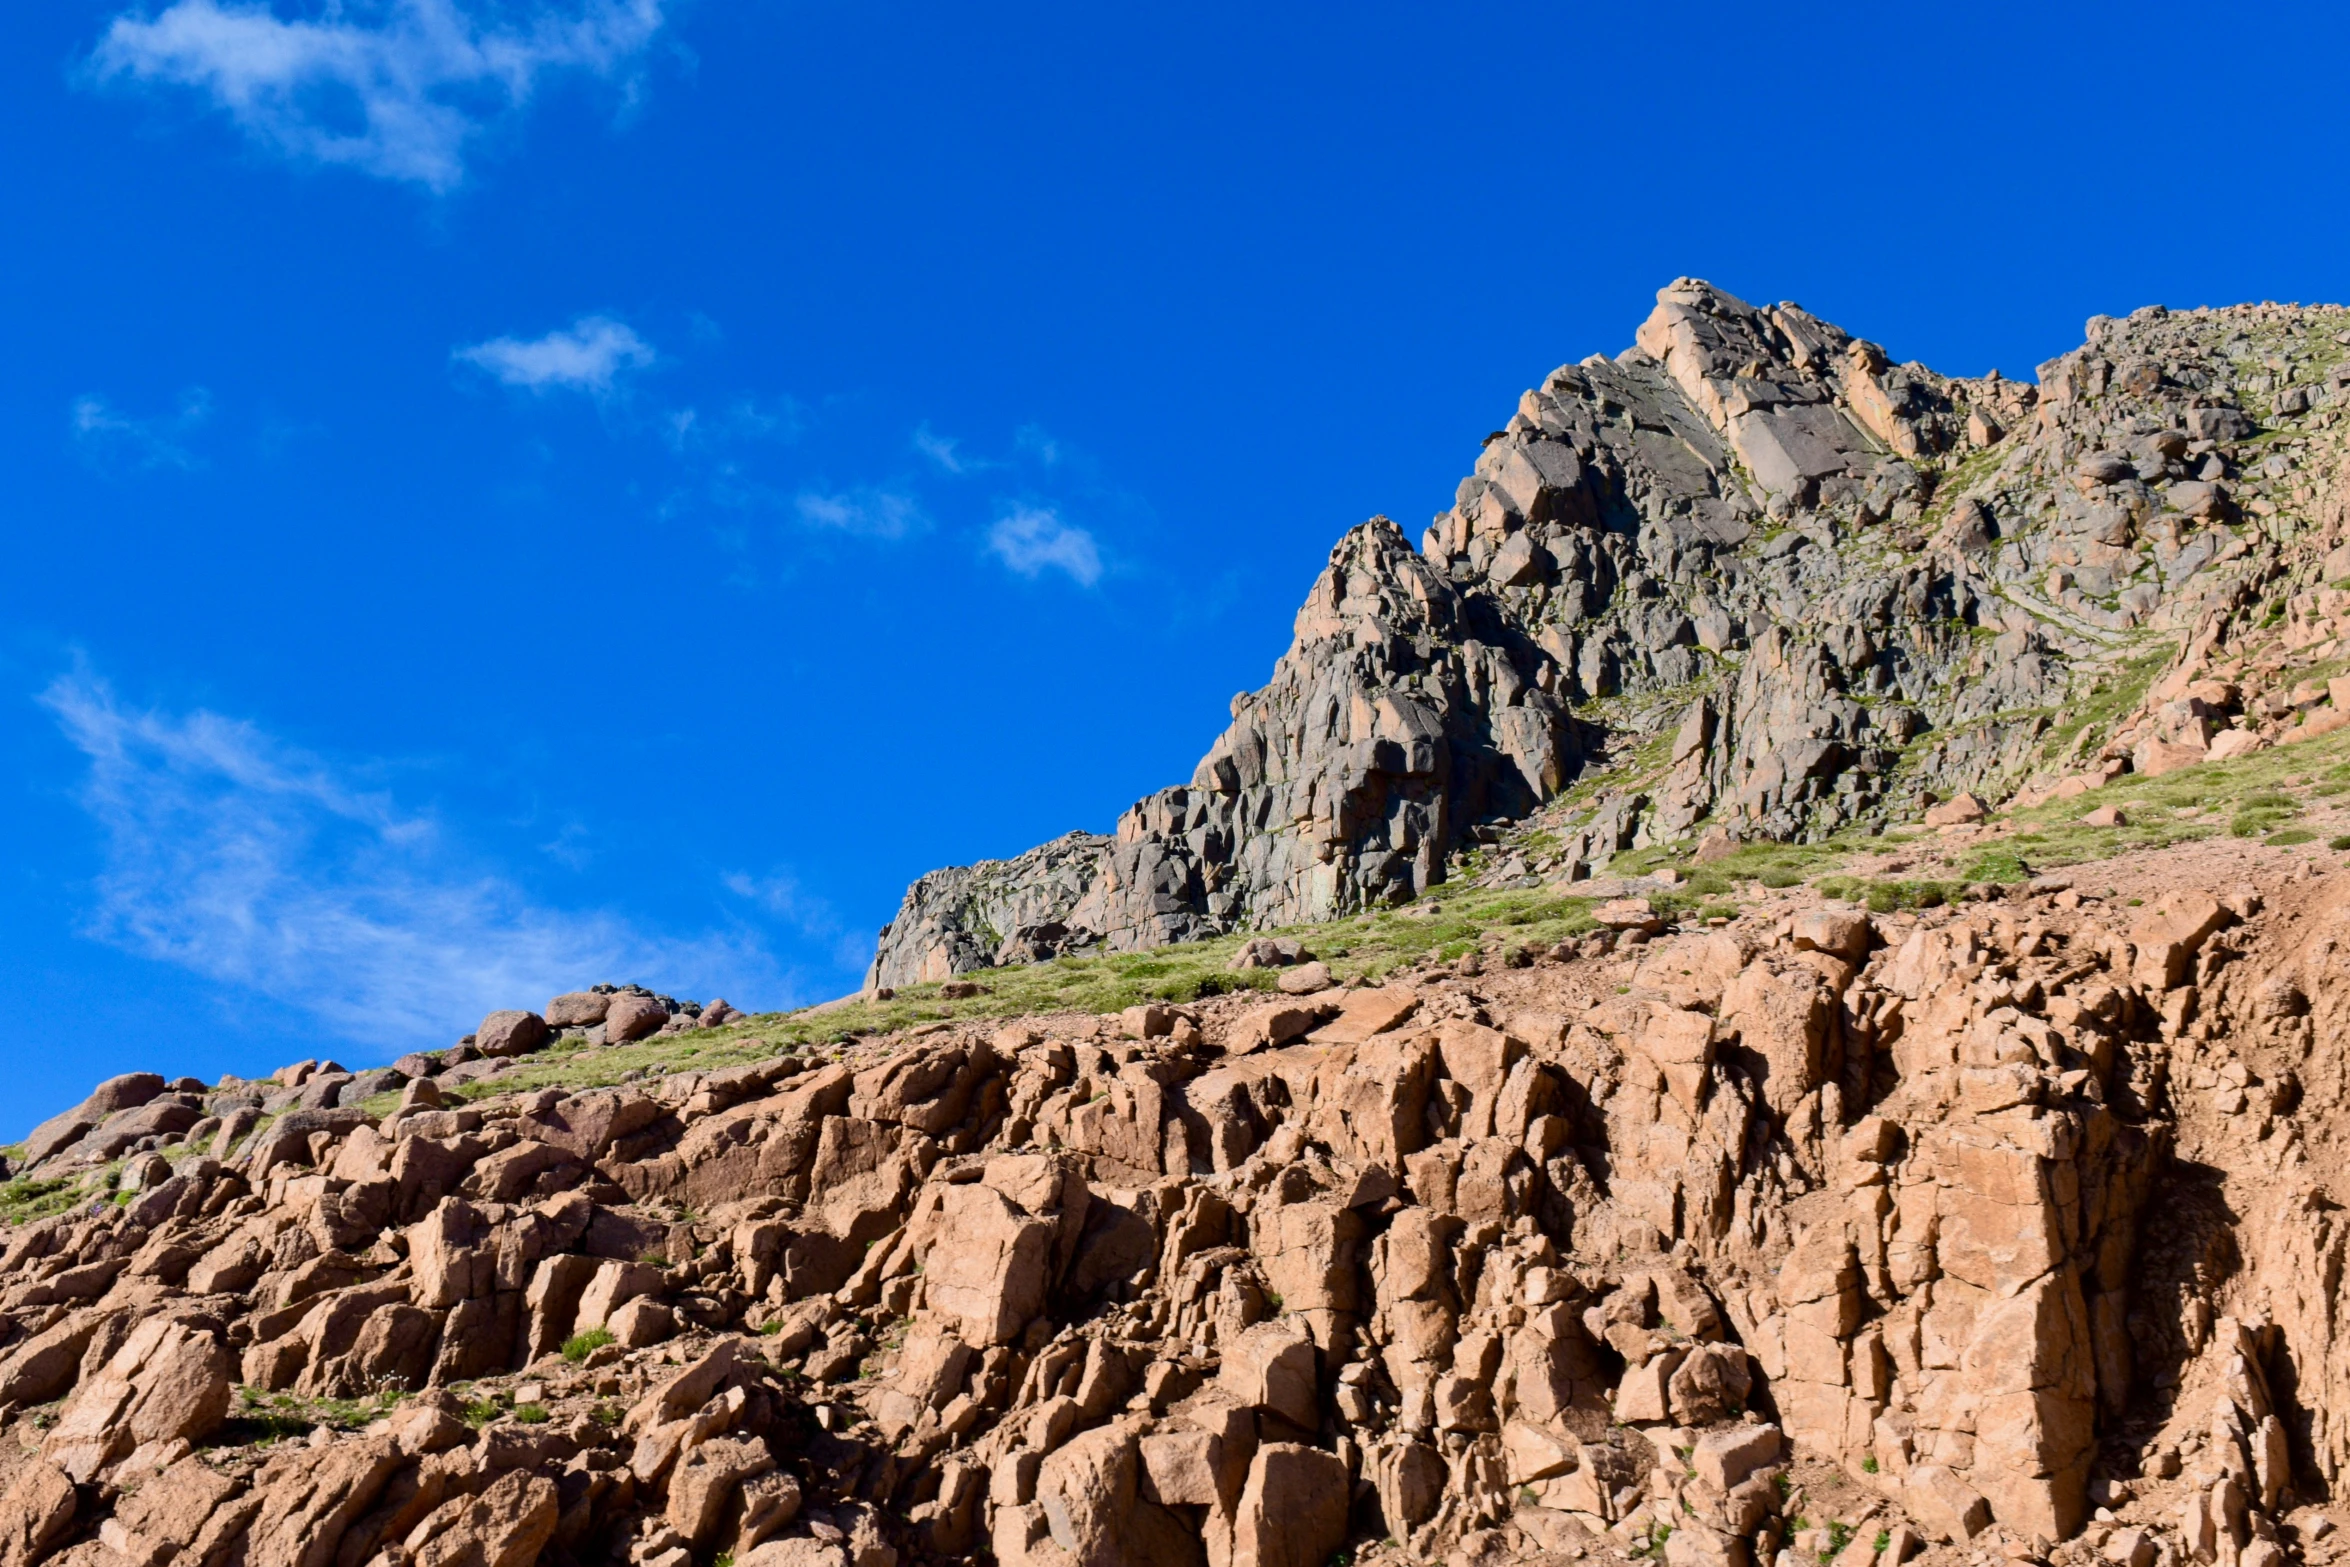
[{"x": 1748, "y": 576}]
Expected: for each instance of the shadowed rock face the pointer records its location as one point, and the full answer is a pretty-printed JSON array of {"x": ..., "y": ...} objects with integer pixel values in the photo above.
[{"x": 1747, "y": 574}]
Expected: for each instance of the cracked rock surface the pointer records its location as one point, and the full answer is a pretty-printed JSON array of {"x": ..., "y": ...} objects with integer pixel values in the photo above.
[
  {"x": 1747, "y": 577},
  {"x": 1999, "y": 1230}
]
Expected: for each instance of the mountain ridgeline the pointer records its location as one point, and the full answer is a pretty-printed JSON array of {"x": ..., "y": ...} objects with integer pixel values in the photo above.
[{"x": 1748, "y": 577}]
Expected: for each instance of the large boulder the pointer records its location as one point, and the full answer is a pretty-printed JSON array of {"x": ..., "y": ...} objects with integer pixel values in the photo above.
[
  {"x": 510, "y": 1033},
  {"x": 632, "y": 1016},
  {"x": 62, "y": 1130},
  {"x": 1293, "y": 1511},
  {"x": 167, "y": 1382},
  {"x": 578, "y": 1008}
]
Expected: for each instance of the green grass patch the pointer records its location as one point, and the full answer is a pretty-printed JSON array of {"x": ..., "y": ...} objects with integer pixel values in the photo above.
[
  {"x": 2091, "y": 714},
  {"x": 2247, "y": 796},
  {"x": 262, "y": 1418},
  {"x": 1887, "y": 896},
  {"x": 581, "y": 1345},
  {"x": 25, "y": 1199},
  {"x": 1454, "y": 920},
  {"x": 1360, "y": 948},
  {"x": 2291, "y": 836}
]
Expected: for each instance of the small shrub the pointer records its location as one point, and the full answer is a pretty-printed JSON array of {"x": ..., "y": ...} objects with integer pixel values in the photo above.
[
  {"x": 2291, "y": 836},
  {"x": 2338, "y": 844},
  {"x": 1868, "y": 1466},
  {"x": 581, "y": 1345},
  {"x": 479, "y": 1412},
  {"x": 531, "y": 1414}
]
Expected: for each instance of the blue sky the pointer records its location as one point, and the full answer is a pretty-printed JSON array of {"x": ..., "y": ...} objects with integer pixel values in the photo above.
[{"x": 500, "y": 496}]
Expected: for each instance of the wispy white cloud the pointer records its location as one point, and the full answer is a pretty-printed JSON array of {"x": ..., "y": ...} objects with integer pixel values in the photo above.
[
  {"x": 254, "y": 864},
  {"x": 587, "y": 356},
  {"x": 940, "y": 449},
  {"x": 1033, "y": 539},
  {"x": 108, "y": 436},
  {"x": 1034, "y": 441},
  {"x": 745, "y": 421},
  {"x": 395, "y": 88},
  {"x": 874, "y": 513},
  {"x": 779, "y": 895}
]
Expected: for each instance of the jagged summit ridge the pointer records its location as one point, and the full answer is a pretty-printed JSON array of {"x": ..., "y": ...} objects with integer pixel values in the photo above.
[{"x": 1749, "y": 575}]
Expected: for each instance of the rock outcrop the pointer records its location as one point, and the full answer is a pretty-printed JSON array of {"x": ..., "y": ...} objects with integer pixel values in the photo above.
[
  {"x": 1748, "y": 577},
  {"x": 1991, "y": 1227}
]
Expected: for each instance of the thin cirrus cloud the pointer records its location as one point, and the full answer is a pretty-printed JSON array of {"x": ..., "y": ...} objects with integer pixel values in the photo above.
[
  {"x": 253, "y": 864},
  {"x": 110, "y": 438},
  {"x": 780, "y": 896},
  {"x": 393, "y": 88},
  {"x": 590, "y": 356},
  {"x": 865, "y": 511},
  {"x": 946, "y": 451},
  {"x": 1033, "y": 540}
]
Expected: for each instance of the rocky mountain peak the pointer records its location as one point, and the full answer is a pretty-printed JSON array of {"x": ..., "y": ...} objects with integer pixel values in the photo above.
[{"x": 1750, "y": 576}]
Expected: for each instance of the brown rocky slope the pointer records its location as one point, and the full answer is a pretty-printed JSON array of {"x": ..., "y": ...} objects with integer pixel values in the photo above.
[{"x": 2008, "y": 1227}]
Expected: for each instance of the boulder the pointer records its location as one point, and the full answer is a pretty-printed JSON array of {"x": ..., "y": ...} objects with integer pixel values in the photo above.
[
  {"x": 507, "y": 1525},
  {"x": 1959, "y": 810},
  {"x": 578, "y": 1009},
  {"x": 1842, "y": 932},
  {"x": 631, "y": 1016},
  {"x": 642, "y": 1322},
  {"x": 1305, "y": 979},
  {"x": 1723, "y": 1459},
  {"x": 34, "y": 1514},
  {"x": 2153, "y": 758},
  {"x": 1274, "y": 1023},
  {"x": 127, "y": 1092},
  {"x": 1087, "y": 1490},
  {"x": 168, "y": 1382},
  {"x": 2167, "y": 938},
  {"x": 707, "y": 1480},
  {"x": 986, "y": 1263},
  {"x": 1365, "y": 1013},
  {"x": 1292, "y": 1512},
  {"x": 510, "y": 1033},
  {"x": 1274, "y": 1366},
  {"x": 1628, "y": 914}
]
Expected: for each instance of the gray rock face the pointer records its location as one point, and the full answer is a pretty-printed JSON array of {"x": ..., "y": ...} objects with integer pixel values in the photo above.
[
  {"x": 1748, "y": 574},
  {"x": 1402, "y": 711}
]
